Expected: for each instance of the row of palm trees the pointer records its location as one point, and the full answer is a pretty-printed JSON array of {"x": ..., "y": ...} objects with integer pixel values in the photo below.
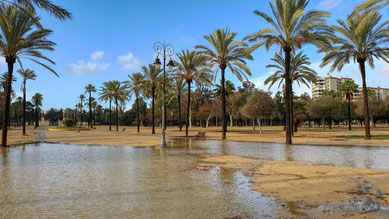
[{"x": 23, "y": 37}]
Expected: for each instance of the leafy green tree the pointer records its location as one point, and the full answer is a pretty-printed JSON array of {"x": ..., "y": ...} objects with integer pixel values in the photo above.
[
  {"x": 152, "y": 78},
  {"x": 89, "y": 89},
  {"x": 37, "y": 101},
  {"x": 291, "y": 27},
  {"x": 362, "y": 38},
  {"x": 26, "y": 75},
  {"x": 348, "y": 89},
  {"x": 230, "y": 89},
  {"x": 19, "y": 39},
  {"x": 259, "y": 106},
  {"x": 225, "y": 53},
  {"x": 190, "y": 67}
]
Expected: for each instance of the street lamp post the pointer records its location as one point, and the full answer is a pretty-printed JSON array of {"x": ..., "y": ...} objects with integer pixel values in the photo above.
[{"x": 164, "y": 50}]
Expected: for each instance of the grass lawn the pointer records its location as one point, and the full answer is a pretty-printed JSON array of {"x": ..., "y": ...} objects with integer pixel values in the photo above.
[
  {"x": 376, "y": 137},
  {"x": 69, "y": 129}
]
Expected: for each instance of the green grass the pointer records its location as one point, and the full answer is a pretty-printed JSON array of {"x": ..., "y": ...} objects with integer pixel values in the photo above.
[{"x": 376, "y": 137}]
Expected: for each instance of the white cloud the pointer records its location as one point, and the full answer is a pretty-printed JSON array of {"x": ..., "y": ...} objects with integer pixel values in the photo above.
[
  {"x": 92, "y": 67},
  {"x": 329, "y": 4},
  {"x": 97, "y": 55},
  {"x": 129, "y": 62},
  {"x": 385, "y": 72}
]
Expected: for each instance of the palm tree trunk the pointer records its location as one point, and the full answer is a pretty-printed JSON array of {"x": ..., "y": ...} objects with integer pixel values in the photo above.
[
  {"x": 287, "y": 51},
  {"x": 110, "y": 115},
  {"x": 90, "y": 109},
  {"x": 24, "y": 107},
  {"x": 153, "y": 113},
  {"x": 117, "y": 114},
  {"x": 349, "y": 113},
  {"x": 10, "y": 62},
  {"x": 36, "y": 117},
  {"x": 179, "y": 112},
  {"x": 187, "y": 111},
  {"x": 137, "y": 115},
  {"x": 365, "y": 99},
  {"x": 224, "y": 125},
  {"x": 291, "y": 107}
]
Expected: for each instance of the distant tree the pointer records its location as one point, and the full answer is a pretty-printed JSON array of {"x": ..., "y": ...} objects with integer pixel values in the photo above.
[
  {"x": 89, "y": 89},
  {"x": 348, "y": 89},
  {"x": 37, "y": 100},
  {"x": 120, "y": 94},
  {"x": 26, "y": 75},
  {"x": 135, "y": 86},
  {"x": 106, "y": 95},
  {"x": 259, "y": 106}
]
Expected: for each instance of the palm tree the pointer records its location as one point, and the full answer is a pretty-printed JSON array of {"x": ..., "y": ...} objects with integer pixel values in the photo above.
[
  {"x": 46, "y": 5},
  {"x": 152, "y": 78},
  {"x": 291, "y": 27},
  {"x": 191, "y": 68},
  {"x": 26, "y": 75},
  {"x": 37, "y": 100},
  {"x": 299, "y": 72},
  {"x": 19, "y": 39},
  {"x": 226, "y": 53},
  {"x": 372, "y": 5},
  {"x": 363, "y": 38},
  {"x": 106, "y": 95},
  {"x": 82, "y": 98},
  {"x": 349, "y": 88},
  {"x": 135, "y": 85},
  {"x": 179, "y": 85},
  {"x": 120, "y": 94},
  {"x": 89, "y": 89},
  {"x": 230, "y": 89}
]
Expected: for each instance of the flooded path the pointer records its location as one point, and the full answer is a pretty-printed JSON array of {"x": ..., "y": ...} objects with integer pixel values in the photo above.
[{"x": 53, "y": 180}]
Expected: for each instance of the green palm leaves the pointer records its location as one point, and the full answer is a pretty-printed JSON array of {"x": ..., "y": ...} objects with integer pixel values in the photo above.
[
  {"x": 299, "y": 70},
  {"x": 26, "y": 75}
]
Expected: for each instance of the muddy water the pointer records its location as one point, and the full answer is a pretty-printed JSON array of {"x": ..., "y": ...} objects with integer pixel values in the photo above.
[{"x": 62, "y": 181}]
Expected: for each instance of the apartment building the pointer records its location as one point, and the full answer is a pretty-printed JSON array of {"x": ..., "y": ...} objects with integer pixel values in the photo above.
[
  {"x": 381, "y": 93},
  {"x": 326, "y": 83}
]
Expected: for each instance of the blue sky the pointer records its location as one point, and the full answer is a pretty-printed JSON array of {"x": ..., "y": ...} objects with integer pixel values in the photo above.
[{"x": 108, "y": 41}]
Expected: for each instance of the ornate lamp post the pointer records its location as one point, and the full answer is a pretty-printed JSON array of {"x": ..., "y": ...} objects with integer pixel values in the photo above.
[{"x": 164, "y": 50}]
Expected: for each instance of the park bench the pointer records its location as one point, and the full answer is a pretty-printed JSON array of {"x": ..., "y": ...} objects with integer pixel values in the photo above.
[{"x": 200, "y": 135}]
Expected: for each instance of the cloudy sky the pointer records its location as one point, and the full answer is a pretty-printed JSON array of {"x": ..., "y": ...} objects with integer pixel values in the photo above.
[{"x": 108, "y": 40}]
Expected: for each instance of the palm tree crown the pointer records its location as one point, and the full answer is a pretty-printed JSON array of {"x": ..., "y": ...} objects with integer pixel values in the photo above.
[{"x": 348, "y": 89}]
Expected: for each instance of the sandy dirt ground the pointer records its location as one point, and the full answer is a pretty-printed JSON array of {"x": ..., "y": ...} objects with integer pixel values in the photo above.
[
  {"x": 305, "y": 184},
  {"x": 128, "y": 136}
]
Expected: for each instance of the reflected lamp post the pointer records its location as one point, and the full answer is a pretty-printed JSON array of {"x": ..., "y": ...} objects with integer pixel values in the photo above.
[{"x": 163, "y": 50}]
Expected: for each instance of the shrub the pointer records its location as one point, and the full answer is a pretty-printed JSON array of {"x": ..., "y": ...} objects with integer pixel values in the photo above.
[{"x": 69, "y": 122}]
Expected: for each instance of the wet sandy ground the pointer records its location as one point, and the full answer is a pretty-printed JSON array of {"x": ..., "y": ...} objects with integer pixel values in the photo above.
[
  {"x": 325, "y": 191},
  {"x": 128, "y": 136}
]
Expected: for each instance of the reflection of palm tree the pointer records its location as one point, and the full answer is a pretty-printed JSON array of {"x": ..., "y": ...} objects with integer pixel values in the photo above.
[
  {"x": 226, "y": 53},
  {"x": 26, "y": 75},
  {"x": 349, "y": 88},
  {"x": 37, "y": 100},
  {"x": 291, "y": 27},
  {"x": 135, "y": 87},
  {"x": 152, "y": 78},
  {"x": 363, "y": 39},
  {"x": 18, "y": 39},
  {"x": 190, "y": 68},
  {"x": 89, "y": 89}
]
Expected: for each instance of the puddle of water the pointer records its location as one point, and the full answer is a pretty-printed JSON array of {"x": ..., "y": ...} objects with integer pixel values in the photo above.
[{"x": 53, "y": 180}]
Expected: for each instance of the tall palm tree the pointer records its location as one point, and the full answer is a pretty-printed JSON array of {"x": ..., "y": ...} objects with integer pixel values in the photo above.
[
  {"x": 135, "y": 86},
  {"x": 46, "y": 5},
  {"x": 230, "y": 89},
  {"x": 26, "y": 75},
  {"x": 82, "y": 98},
  {"x": 372, "y": 5},
  {"x": 19, "y": 39},
  {"x": 348, "y": 89},
  {"x": 37, "y": 101},
  {"x": 120, "y": 94},
  {"x": 226, "y": 53},
  {"x": 291, "y": 27},
  {"x": 152, "y": 78},
  {"x": 299, "y": 72},
  {"x": 89, "y": 89},
  {"x": 191, "y": 67},
  {"x": 179, "y": 84},
  {"x": 106, "y": 95},
  {"x": 362, "y": 38}
]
